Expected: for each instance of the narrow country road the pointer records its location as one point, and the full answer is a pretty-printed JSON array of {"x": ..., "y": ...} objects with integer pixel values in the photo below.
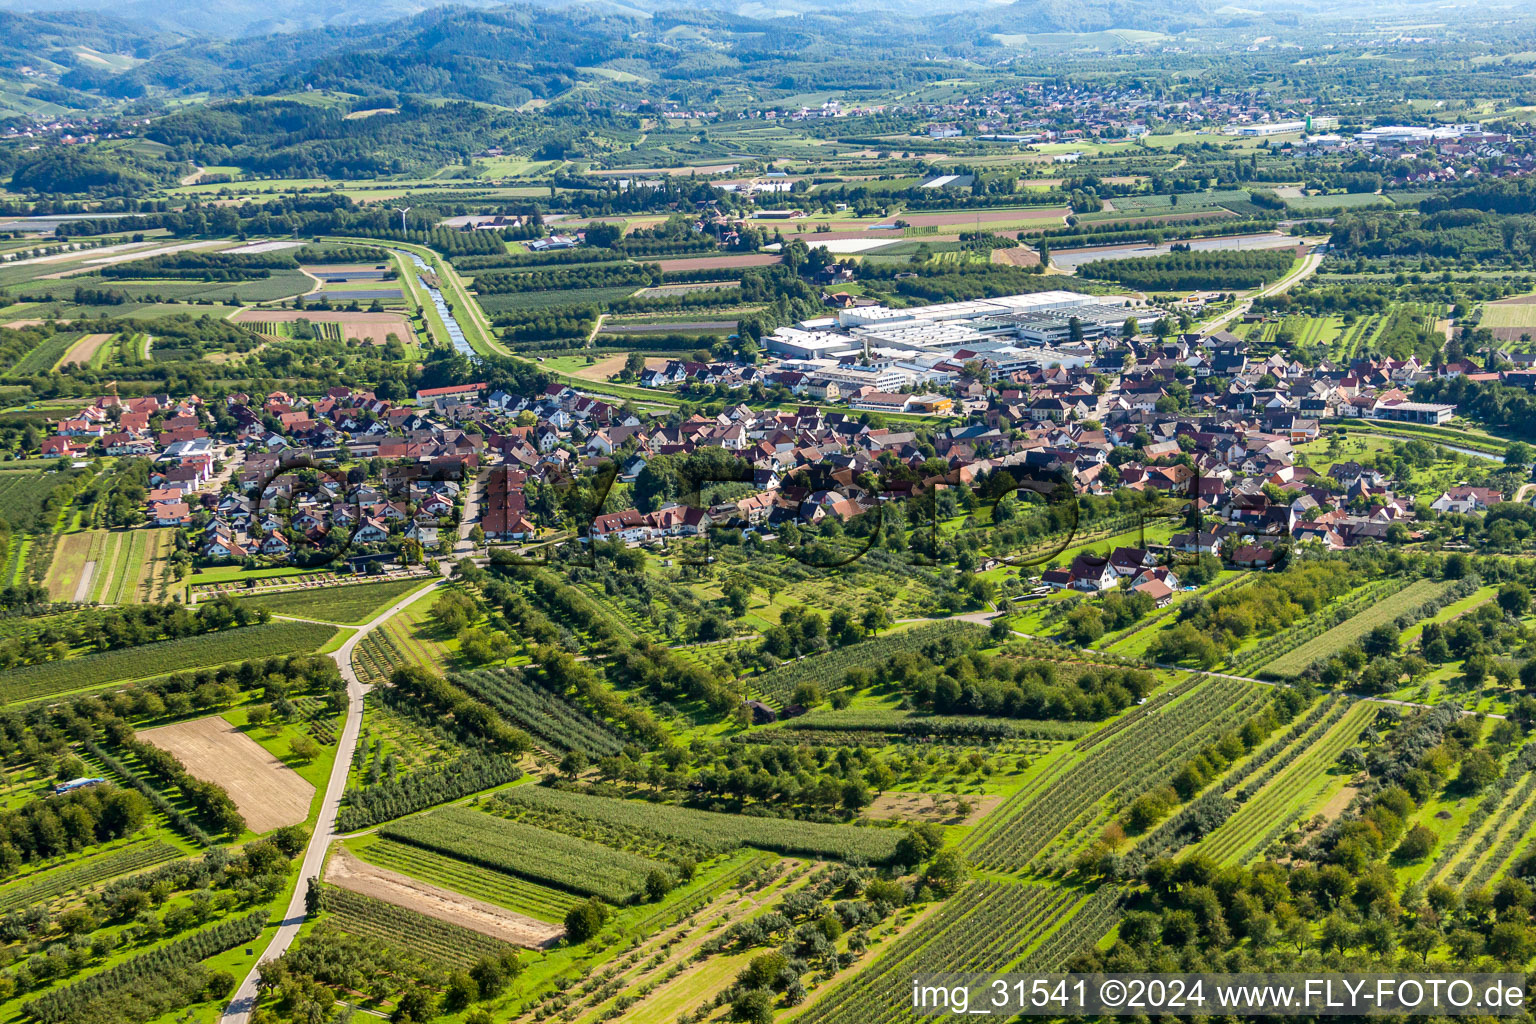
[
  {"x": 474, "y": 494},
  {"x": 1309, "y": 265},
  {"x": 244, "y": 1001}
]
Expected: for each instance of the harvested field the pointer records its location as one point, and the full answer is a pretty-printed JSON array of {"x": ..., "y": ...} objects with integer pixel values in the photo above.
[
  {"x": 83, "y": 351},
  {"x": 268, "y": 793},
  {"x": 374, "y": 328},
  {"x": 608, "y": 366},
  {"x": 348, "y": 872},
  {"x": 931, "y": 807},
  {"x": 1023, "y": 256},
  {"x": 753, "y": 259}
]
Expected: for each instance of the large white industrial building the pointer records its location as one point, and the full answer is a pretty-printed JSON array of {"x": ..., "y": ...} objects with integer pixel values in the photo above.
[{"x": 1013, "y": 331}]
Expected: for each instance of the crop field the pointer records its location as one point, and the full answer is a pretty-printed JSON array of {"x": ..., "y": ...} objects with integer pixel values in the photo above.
[
  {"x": 376, "y": 658},
  {"x": 413, "y": 634},
  {"x": 122, "y": 581},
  {"x": 516, "y": 894},
  {"x": 1259, "y": 651},
  {"x": 708, "y": 829},
  {"x": 375, "y": 328},
  {"x": 353, "y": 604},
  {"x": 598, "y": 297},
  {"x": 1494, "y": 830},
  {"x": 1292, "y": 792},
  {"x": 43, "y": 358},
  {"x": 988, "y": 927},
  {"x": 39, "y": 887},
  {"x": 1511, "y": 320},
  {"x": 150, "y": 566},
  {"x": 1057, "y": 809},
  {"x": 74, "y": 566},
  {"x": 22, "y": 493},
  {"x": 549, "y": 858},
  {"x": 112, "y": 545},
  {"x": 548, "y": 717},
  {"x": 283, "y": 284},
  {"x": 1385, "y": 610},
  {"x": 408, "y": 931},
  {"x": 1342, "y": 200},
  {"x": 162, "y": 657},
  {"x": 441, "y": 904}
]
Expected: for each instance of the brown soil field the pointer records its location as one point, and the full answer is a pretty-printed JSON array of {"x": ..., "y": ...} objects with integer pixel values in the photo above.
[
  {"x": 267, "y": 792},
  {"x": 372, "y": 327},
  {"x": 81, "y": 352},
  {"x": 751, "y": 259},
  {"x": 608, "y": 366},
  {"x": 1023, "y": 256},
  {"x": 17, "y": 325},
  {"x": 347, "y": 871},
  {"x": 931, "y": 807}
]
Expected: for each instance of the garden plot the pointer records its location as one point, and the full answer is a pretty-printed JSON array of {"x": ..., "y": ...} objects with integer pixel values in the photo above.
[{"x": 268, "y": 793}]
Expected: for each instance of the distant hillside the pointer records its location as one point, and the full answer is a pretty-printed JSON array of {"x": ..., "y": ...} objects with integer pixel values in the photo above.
[
  {"x": 238, "y": 18},
  {"x": 235, "y": 18},
  {"x": 1037, "y": 16}
]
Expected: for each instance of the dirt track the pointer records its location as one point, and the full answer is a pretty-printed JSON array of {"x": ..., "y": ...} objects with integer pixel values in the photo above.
[
  {"x": 268, "y": 792},
  {"x": 349, "y": 872}
]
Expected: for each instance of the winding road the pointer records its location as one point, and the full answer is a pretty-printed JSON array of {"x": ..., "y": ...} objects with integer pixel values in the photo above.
[{"x": 244, "y": 1001}]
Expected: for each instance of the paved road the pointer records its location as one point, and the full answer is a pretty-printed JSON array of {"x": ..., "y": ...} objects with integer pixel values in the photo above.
[
  {"x": 1309, "y": 265},
  {"x": 239, "y": 1009},
  {"x": 474, "y": 494}
]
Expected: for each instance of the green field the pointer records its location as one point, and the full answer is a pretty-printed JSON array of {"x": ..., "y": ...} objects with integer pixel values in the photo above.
[
  {"x": 160, "y": 658},
  {"x": 352, "y": 604},
  {"x": 1380, "y": 612},
  {"x": 1292, "y": 793},
  {"x": 516, "y": 894}
]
